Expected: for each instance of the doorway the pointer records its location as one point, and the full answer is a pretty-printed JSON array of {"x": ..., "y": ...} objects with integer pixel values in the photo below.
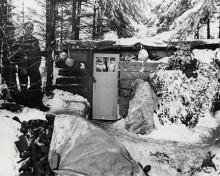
[{"x": 105, "y": 86}]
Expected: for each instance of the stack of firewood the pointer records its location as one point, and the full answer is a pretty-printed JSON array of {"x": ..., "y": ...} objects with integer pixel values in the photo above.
[{"x": 33, "y": 145}]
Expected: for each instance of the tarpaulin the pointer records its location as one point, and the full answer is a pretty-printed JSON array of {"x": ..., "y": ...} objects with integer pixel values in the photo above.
[{"x": 79, "y": 148}]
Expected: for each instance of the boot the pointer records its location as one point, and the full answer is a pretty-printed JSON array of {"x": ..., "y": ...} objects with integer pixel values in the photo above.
[
  {"x": 42, "y": 107},
  {"x": 36, "y": 98}
]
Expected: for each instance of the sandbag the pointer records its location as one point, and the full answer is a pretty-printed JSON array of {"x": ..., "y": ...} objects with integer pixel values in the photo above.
[{"x": 78, "y": 148}]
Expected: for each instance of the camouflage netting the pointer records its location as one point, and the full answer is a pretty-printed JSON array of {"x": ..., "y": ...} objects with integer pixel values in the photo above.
[{"x": 187, "y": 89}]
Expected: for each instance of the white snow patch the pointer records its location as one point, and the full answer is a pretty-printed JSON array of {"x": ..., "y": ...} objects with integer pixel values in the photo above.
[
  {"x": 9, "y": 132},
  {"x": 8, "y": 153},
  {"x": 179, "y": 132},
  {"x": 28, "y": 114},
  {"x": 204, "y": 55},
  {"x": 63, "y": 102}
]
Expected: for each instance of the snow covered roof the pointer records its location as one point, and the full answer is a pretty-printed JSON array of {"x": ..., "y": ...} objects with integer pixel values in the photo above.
[{"x": 145, "y": 42}]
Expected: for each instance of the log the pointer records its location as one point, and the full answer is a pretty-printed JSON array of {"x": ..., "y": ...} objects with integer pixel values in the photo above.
[
  {"x": 136, "y": 66},
  {"x": 70, "y": 72},
  {"x": 73, "y": 88},
  {"x": 34, "y": 146},
  {"x": 61, "y": 64},
  {"x": 69, "y": 80},
  {"x": 134, "y": 75},
  {"x": 125, "y": 92},
  {"x": 123, "y": 110},
  {"x": 126, "y": 83}
]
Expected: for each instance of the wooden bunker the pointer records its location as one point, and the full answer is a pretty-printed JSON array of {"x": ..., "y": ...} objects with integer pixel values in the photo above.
[{"x": 103, "y": 73}]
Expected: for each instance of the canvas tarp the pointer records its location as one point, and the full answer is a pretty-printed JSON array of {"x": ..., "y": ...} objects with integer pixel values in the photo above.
[
  {"x": 78, "y": 148},
  {"x": 141, "y": 107}
]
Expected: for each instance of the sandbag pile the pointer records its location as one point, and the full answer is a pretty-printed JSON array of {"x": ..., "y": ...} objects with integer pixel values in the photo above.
[{"x": 33, "y": 145}]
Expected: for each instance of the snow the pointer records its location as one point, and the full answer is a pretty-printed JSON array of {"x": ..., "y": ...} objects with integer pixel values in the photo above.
[
  {"x": 179, "y": 132},
  {"x": 204, "y": 55},
  {"x": 63, "y": 102},
  {"x": 9, "y": 154},
  {"x": 154, "y": 42},
  {"x": 9, "y": 128},
  {"x": 9, "y": 132}
]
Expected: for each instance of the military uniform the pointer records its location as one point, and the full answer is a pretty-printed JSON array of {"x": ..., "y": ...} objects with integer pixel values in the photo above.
[{"x": 28, "y": 60}]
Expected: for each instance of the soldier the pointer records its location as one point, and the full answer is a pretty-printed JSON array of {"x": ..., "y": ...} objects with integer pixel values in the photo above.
[{"x": 28, "y": 61}]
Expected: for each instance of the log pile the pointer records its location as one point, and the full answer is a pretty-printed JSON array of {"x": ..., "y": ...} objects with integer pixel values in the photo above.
[{"x": 33, "y": 145}]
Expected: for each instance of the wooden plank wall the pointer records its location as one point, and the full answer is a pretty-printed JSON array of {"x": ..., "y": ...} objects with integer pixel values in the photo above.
[
  {"x": 75, "y": 79},
  {"x": 129, "y": 71}
]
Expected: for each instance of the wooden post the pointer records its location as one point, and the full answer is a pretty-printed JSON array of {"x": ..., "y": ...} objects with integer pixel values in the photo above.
[
  {"x": 196, "y": 36},
  {"x": 50, "y": 41}
]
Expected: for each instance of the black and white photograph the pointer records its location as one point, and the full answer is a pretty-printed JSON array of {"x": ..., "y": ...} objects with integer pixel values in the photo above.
[{"x": 109, "y": 87}]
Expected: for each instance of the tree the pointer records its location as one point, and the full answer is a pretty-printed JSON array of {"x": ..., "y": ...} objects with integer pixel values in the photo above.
[{"x": 50, "y": 40}]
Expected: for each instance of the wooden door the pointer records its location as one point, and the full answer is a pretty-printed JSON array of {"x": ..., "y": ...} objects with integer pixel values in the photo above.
[{"x": 105, "y": 87}]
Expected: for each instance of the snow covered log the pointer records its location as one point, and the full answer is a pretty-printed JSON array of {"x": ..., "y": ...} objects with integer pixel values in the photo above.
[
  {"x": 63, "y": 102},
  {"x": 80, "y": 148},
  {"x": 140, "y": 113}
]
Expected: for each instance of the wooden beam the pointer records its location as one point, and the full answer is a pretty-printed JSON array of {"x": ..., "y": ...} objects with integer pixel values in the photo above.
[
  {"x": 134, "y": 75},
  {"x": 136, "y": 66}
]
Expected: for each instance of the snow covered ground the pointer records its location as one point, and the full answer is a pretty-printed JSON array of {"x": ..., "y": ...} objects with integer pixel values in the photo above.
[
  {"x": 170, "y": 139},
  {"x": 174, "y": 149},
  {"x": 10, "y": 129},
  {"x": 9, "y": 132},
  {"x": 179, "y": 132}
]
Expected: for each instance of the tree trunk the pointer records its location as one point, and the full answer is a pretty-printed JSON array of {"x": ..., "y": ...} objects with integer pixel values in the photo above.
[
  {"x": 208, "y": 28},
  {"x": 94, "y": 22},
  {"x": 61, "y": 27},
  {"x": 99, "y": 22},
  {"x": 3, "y": 19},
  {"x": 219, "y": 24},
  {"x": 78, "y": 19},
  {"x": 196, "y": 36},
  {"x": 50, "y": 41},
  {"x": 74, "y": 23}
]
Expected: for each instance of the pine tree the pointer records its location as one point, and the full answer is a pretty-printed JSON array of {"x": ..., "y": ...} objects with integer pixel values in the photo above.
[{"x": 50, "y": 41}]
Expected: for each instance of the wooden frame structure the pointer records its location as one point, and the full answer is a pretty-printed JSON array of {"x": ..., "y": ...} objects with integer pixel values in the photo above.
[{"x": 79, "y": 81}]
